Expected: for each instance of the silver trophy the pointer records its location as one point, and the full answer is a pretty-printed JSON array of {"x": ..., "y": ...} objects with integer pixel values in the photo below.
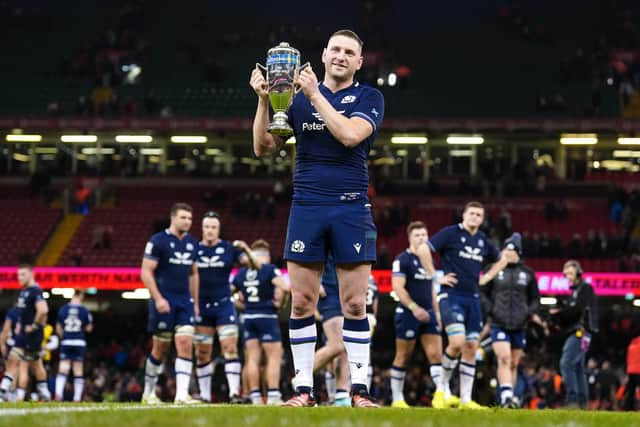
[{"x": 283, "y": 66}]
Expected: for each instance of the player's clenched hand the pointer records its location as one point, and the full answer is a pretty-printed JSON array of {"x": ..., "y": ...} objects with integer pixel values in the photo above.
[
  {"x": 259, "y": 84},
  {"x": 448, "y": 279},
  {"x": 196, "y": 311},
  {"x": 421, "y": 314},
  {"x": 307, "y": 81},
  {"x": 162, "y": 305}
]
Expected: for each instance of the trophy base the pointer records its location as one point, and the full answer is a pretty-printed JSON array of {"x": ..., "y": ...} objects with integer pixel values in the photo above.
[{"x": 281, "y": 129}]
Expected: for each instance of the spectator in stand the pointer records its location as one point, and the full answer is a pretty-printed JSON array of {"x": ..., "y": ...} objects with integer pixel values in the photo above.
[
  {"x": 574, "y": 248},
  {"x": 77, "y": 258},
  {"x": 81, "y": 199},
  {"x": 555, "y": 248},
  {"x": 593, "y": 245},
  {"x": 545, "y": 246}
]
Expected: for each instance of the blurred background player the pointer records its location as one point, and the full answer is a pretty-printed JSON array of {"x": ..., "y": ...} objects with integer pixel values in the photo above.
[
  {"x": 578, "y": 316},
  {"x": 33, "y": 310},
  {"x": 417, "y": 317},
  {"x": 261, "y": 326},
  {"x": 74, "y": 322},
  {"x": 330, "y": 212},
  {"x": 463, "y": 249},
  {"x": 215, "y": 259},
  {"x": 510, "y": 300},
  {"x": 332, "y": 355},
  {"x": 8, "y": 338},
  {"x": 171, "y": 275}
]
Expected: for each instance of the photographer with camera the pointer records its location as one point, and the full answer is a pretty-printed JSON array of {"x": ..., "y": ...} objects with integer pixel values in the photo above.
[{"x": 578, "y": 317}]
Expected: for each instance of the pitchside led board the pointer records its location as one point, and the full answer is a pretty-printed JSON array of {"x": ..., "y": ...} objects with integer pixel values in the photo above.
[{"x": 128, "y": 279}]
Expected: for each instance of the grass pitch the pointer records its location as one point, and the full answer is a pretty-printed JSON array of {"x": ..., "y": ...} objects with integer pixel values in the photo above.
[{"x": 125, "y": 415}]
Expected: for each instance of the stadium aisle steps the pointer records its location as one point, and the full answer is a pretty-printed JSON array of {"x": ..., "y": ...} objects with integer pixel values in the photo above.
[{"x": 59, "y": 240}]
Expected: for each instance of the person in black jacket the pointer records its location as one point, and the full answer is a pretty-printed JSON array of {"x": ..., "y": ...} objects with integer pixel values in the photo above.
[
  {"x": 510, "y": 300},
  {"x": 578, "y": 316}
]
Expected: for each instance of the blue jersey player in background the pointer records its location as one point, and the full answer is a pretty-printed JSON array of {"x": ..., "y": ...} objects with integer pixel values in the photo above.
[
  {"x": 216, "y": 258},
  {"x": 335, "y": 123},
  {"x": 332, "y": 355},
  {"x": 8, "y": 338},
  {"x": 464, "y": 249},
  {"x": 417, "y": 317},
  {"x": 170, "y": 273},
  {"x": 74, "y": 322},
  {"x": 32, "y": 318},
  {"x": 258, "y": 287}
]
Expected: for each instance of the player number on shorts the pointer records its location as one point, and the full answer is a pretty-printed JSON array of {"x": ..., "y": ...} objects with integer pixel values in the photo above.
[{"x": 72, "y": 324}]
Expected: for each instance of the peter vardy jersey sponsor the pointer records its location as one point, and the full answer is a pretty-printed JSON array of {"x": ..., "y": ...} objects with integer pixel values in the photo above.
[
  {"x": 175, "y": 258},
  {"x": 214, "y": 267},
  {"x": 463, "y": 254},
  {"x": 418, "y": 282},
  {"x": 327, "y": 171}
]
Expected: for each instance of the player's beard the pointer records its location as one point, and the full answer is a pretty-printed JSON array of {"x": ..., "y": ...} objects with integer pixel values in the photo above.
[{"x": 341, "y": 77}]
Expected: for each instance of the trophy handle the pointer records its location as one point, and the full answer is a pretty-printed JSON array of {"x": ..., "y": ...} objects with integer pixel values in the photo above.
[
  {"x": 263, "y": 68},
  {"x": 302, "y": 67}
]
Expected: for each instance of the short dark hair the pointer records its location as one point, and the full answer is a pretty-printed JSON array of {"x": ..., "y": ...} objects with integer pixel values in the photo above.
[
  {"x": 260, "y": 244},
  {"x": 472, "y": 204},
  {"x": 348, "y": 33},
  {"x": 180, "y": 206},
  {"x": 415, "y": 225},
  {"x": 211, "y": 214},
  {"x": 77, "y": 292},
  {"x": 25, "y": 266}
]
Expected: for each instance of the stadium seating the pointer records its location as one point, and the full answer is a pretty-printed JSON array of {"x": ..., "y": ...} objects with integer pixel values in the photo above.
[
  {"x": 136, "y": 212},
  {"x": 26, "y": 225},
  {"x": 176, "y": 68}
]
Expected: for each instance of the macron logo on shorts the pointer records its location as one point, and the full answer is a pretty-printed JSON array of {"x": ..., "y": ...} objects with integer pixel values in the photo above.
[
  {"x": 357, "y": 247},
  {"x": 297, "y": 246}
]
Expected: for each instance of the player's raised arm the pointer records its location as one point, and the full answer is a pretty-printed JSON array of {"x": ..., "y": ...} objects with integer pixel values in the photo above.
[
  {"x": 424, "y": 254},
  {"x": 247, "y": 257},
  {"x": 506, "y": 256},
  {"x": 264, "y": 143}
]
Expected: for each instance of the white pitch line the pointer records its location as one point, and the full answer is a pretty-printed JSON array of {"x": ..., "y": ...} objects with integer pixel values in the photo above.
[{"x": 93, "y": 408}]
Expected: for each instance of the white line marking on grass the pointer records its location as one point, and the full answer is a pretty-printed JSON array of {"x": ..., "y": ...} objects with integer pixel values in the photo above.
[{"x": 91, "y": 408}]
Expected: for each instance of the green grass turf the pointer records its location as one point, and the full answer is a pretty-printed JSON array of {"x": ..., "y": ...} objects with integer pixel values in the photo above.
[{"x": 125, "y": 415}]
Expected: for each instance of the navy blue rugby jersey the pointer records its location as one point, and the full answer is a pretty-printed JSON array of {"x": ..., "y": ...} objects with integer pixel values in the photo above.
[{"x": 326, "y": 171}]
